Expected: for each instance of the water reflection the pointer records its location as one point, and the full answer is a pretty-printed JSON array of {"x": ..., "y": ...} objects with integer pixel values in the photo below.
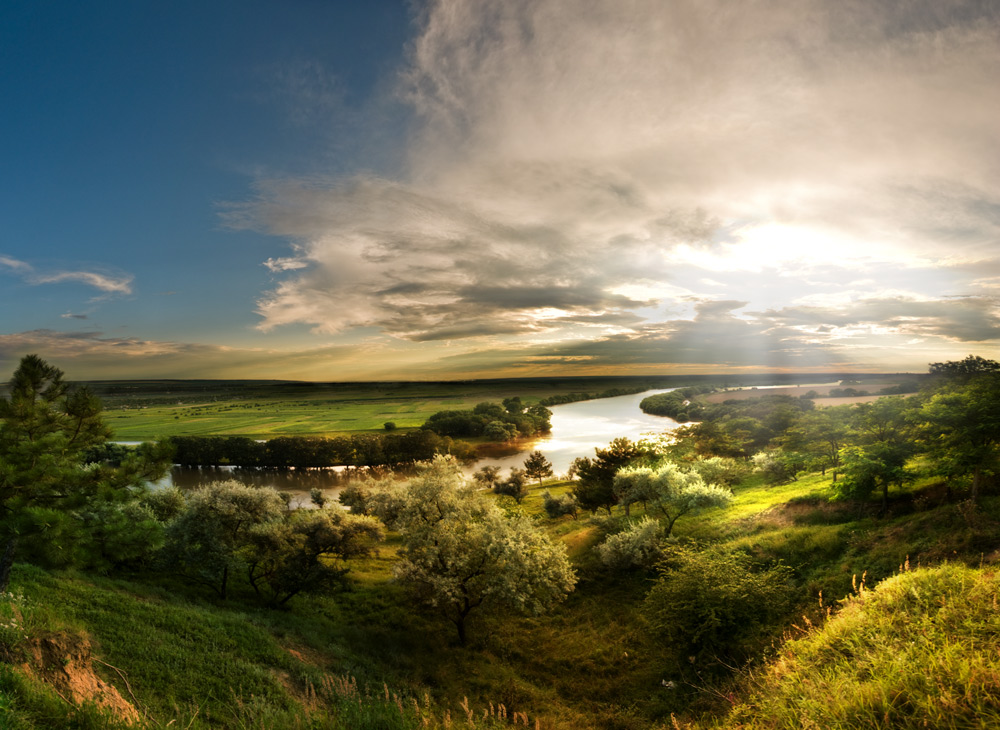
[{"x": 577, "y": 429}]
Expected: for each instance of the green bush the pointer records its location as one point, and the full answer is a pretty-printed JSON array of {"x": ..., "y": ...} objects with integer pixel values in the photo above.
[{"x": 714, "y": 605}]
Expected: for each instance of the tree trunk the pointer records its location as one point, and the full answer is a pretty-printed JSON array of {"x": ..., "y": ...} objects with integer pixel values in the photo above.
[
  {"x": 977, "y": 478},
  {"x": 6, "y": 561}
]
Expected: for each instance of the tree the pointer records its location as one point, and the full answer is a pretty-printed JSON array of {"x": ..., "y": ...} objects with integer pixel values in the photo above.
[
  {"x": 640, "y": 545},
  {"x": 823, "y": 432},
  {"x": 46, "y": 490},
  {"x": 716, "y": 603},
  {"x": 557, "y": 506},
  {"x": 536, "y": 466},
  {"x": 307, "y": 551},
  {"x": 878, "y": 461},
  {"x": 595, "y": 487},
  {"x": 673, "y": 491},
  {"x": 460, "y": 551},
  {"x": 207, "y": 541},
  {"x": 487, "y": 477},
  {"x": 514, "y": 485},
  {"x": 500, "y": 431},
  {"x": 962, "y": 370},
  {"x": 960, "y": 426}
]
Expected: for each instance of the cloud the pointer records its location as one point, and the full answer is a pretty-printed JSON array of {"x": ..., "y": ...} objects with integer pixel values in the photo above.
[
  {"x": 756, "y": 151},
  {"x": 109, "y": 283},
  {"x": 94, "y": 355}
]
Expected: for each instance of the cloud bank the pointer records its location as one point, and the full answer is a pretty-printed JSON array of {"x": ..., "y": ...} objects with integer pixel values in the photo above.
[{"x": 638, "y": 183}]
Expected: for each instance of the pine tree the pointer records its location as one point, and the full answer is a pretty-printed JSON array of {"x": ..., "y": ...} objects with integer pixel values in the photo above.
[{"x": 46, "y": 430}]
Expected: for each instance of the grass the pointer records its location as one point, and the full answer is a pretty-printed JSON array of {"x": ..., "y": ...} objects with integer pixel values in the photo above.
[
  {"x": 592, "y": 663},
  {"x": 917, "y": 651},
  {"x": 142, "y": 410}
]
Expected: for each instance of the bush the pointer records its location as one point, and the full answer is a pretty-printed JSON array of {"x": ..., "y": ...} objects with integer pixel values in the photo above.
[
  {"x": 390, "y": 425},
  {"x": 640, "y": 545},
  {"x": 559, "y": 506},
  {"x": 717, "y": 604}
]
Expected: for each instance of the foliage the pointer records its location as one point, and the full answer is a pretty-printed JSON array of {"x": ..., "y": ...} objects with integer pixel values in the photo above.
[
  {"x": 515, "y": 485},
  {"x": 640, "y": 545},
  {"x": 207, "y": 541},
  {"x": 365, "y": 449},
  {"x": 557, "y": 506},
  {"x": 487, "y": 477},
  {"x": 961, "y": 370},
  {"x": 670, "y": 489},
  {"x": 677, "y": 404},
  {"x": 960, "y": 426},
  {"x": 307, "y": 551},
  {"x": 595, "y": 486},
  {"x": 462, "y": 552},
  {"x": 721, "y": 470},
  {"x": 49, "y": 496},
  {"x": 713, "y": 604},
  {"x": 497, "y": 422},
  {"x": 536, "y": 466}
]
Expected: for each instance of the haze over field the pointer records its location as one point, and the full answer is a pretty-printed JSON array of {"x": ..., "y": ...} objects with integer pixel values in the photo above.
[{"x": 471, "y": 188}]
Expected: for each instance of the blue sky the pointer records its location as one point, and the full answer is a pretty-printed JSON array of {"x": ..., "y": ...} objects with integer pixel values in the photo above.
[{"x": 466, "y": 188}]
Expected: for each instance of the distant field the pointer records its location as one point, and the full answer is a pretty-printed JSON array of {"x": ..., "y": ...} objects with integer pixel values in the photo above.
[
  {"x": 823, "y": 401},
  {"x": 143, "y": 410}
]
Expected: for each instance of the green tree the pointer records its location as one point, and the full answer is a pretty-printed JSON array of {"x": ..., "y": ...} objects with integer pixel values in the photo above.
[
  {"x": 594, "y": 489},
  {"x": 536, "y": 466},
  {"x": 461, "y": 552},
  {"x": 515, "y": 485},
  {"x": 960, "y": 425},
  {"x": 823, "y": 432},
  {"x": 46, "y": 490},
  {"x": 306, "y": 551},
  {"x": 207, "y": 542},
  {"x": 640, "y": 545},
  {"x": 670, "y": 489},
  {"x": 885, "y": 443},
  {"x": 962, "y": 370},
  {"x": 487, "y": 477}
]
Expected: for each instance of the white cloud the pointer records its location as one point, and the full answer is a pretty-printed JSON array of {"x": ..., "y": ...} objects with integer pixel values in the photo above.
[
  {"x": 109, "y": 283},
  {"x": 587, "y": 158}
]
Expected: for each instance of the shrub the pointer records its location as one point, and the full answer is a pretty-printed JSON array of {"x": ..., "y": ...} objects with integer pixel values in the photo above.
[
  {"x": 640, "y": 545},
  {"x": 716, "y": 604},
  {"x": 558, "y": 506}
]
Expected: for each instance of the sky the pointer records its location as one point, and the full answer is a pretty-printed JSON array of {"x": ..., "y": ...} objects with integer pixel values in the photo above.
[{"x": 452, "y": 189}]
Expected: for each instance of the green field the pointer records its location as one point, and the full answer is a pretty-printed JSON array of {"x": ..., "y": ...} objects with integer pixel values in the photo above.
[
  {"x": 149, "y": 409},
  {"x": 140, "y": 410}
]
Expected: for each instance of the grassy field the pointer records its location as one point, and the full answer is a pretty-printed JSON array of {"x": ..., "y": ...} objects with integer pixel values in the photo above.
[
  {"x": 140, "y": 410},
  {"x": 150, "y": 409},
  {"x": 197, "y": 662}
]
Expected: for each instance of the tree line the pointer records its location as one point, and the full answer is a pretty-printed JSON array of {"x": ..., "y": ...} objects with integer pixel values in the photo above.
[
  {"x": 493, "y": 421},
  {"x": 366, "y": 449}
]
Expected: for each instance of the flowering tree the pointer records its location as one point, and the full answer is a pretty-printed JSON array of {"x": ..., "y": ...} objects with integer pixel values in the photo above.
[{"x": 462, "y": 552}]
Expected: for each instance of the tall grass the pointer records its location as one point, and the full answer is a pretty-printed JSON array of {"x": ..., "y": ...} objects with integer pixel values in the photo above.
[{"x": 920, "y": 650}]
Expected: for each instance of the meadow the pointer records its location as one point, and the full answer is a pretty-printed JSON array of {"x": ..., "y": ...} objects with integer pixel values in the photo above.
[
  {"x": 366, "y": 657},
  {"x": 139, "y": 410}
]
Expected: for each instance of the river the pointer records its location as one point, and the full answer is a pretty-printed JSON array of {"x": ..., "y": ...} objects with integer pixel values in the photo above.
[{"x": 577, "y": 429}]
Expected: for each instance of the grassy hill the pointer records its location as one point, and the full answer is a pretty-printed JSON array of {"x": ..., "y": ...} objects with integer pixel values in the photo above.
[{"x": 367, "y": 658}]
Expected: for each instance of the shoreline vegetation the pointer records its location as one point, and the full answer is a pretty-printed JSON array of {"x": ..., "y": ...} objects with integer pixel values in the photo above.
[{"x": 777, "y": 564}]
